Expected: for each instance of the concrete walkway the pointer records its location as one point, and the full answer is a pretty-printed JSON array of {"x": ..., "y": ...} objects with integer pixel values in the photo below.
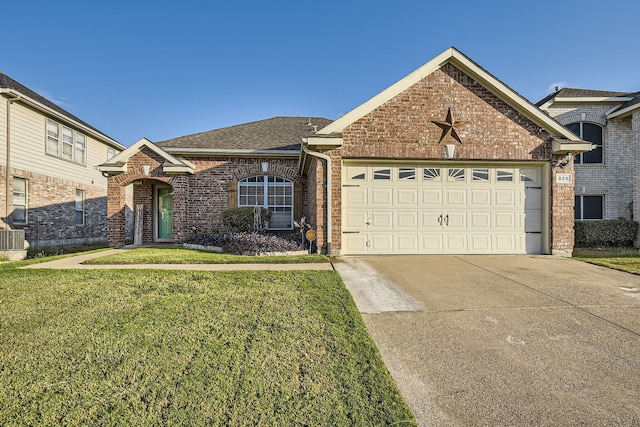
[{"x": 78, "y": 260}]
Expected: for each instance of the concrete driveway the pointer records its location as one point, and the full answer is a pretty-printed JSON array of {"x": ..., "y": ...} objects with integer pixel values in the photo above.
[{"x": 504, "y": 340}]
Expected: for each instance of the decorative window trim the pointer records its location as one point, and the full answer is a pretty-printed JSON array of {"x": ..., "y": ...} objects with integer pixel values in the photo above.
[
  {"x": 21, "y": 202},
  {"x": 65, "y": 143},
  {"x": 273, "y": 193}
]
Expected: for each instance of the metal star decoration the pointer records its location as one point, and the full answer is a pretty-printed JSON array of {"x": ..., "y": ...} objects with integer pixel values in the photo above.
[{"x": 449, "y": 127}]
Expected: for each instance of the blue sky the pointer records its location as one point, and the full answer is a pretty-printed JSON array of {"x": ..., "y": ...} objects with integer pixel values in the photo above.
[{"x": 161, "y": 69}]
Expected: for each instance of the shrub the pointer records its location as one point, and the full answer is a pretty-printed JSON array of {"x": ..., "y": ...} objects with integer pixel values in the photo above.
[
  {"x": 605, "y": 233},
  {"x": 247, "y": 242},
  {"x": 241, "y": 219}
]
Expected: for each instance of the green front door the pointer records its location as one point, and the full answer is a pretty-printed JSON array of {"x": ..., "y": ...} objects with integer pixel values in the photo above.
[{"x": 165, "y": 213}]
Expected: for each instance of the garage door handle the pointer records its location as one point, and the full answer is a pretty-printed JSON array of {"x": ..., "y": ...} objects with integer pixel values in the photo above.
[
  {"x": 446, "y": 220},
  {"x": 350, "y": 232},
  {"x": 440, "y": 220}
]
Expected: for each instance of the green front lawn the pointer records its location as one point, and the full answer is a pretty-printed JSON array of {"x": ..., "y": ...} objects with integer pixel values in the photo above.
[
  {"x": 151, "y": 347},
  {"x": 624, "y": 259},
  {"x": 169, "y": 255}
]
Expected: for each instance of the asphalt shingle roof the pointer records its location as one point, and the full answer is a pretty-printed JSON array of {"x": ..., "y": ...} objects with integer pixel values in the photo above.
[
  {"x": 277, "y": 133},
  {"x": 9, "y": 83}
]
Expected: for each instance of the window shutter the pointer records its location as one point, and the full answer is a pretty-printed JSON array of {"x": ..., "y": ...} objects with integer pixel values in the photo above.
[
  {"x": 297, "y": 201},
  {"x": 233, "y": 194}
]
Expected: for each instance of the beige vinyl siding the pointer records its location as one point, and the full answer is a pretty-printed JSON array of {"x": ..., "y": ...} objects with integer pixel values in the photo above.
[
  {"x": 28, "y": 129},
  {"x": 3, "y": 130}
]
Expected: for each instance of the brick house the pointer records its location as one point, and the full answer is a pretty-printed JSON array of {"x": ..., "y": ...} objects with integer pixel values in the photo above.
[
  {"x": 607, "y": 179},
  {"x": 49, "y": 184},
  {"x": 447, "y": 160}
]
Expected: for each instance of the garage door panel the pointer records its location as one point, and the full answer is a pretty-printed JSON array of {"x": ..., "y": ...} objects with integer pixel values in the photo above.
[
  {"x": 355, "y": 243},
  {"x": 356, "y": 196},
  {"x": 407, "y": 219},
  {"x": 456, "y": 197},
  {"x": 381, "y": 219},
  {"x": 432, "y": 243},
  {"x": 505, "y": 243},
  {"x": 356, "y": 219},
  {"x": 407, "y": 243},
  {"x": 533, "y": 220},
  {"x": 382, "y": 243},
  {"x": 505, "y": 198},
  {"x": 479, "y": 197},
  {"x": 456, "y": 220},
  {"x": 456, "y": 243},
  {"x": 381, "y": 197},
  {"x": 505, "y": 220},
  {"x": 432, "y": 220},
  {"x": 432, "y": 197},
  {"x": 406, "y": 196},
  {"x": 480, "y": 219},
  {"x": 480, "y": 243}
]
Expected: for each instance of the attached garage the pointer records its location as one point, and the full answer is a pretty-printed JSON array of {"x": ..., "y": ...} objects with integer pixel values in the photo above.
[{"x": 443, "y": 208}]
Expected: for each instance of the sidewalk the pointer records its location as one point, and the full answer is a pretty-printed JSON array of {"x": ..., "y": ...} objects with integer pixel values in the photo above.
[{"x": 77, "y": 262}]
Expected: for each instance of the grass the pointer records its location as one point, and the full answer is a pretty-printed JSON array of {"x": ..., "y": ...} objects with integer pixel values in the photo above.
[
  {"x": 178, "y": 255},
  {"x": 623, "y": 259},
  {"x": 152, "y": 347}
]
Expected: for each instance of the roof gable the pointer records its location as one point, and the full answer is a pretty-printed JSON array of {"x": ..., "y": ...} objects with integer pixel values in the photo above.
[
  {"x": 118, "y": 164},
  {"x": 462, "y": 62}
]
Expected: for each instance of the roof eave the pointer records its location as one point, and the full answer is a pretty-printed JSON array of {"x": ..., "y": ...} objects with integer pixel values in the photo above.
[
  {"x": 41, "y": 107},
  {"x": 564, "y": 146},
  {"x": 220, "y": 152},
  {"x": 625, "y": 112}
]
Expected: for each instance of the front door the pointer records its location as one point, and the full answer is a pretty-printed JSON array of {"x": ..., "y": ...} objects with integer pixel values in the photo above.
[{"x": 165, "y": 214}]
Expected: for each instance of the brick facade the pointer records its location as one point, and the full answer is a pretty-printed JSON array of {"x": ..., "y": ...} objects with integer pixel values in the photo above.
[
  {"x": 51, "y": 211},
  {"x": 198, "y": 199},
  {"x": 401, "y": 128},
  {"x": 614, "y": 177}
]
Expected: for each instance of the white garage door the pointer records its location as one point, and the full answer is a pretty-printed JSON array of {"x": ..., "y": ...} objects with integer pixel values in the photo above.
[{"x": 436, "y": 209}]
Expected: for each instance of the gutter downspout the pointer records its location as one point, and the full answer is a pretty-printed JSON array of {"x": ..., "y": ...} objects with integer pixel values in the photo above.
[
  {"x": 329, "y": 204},
  {"x": 7, "y": 172}
]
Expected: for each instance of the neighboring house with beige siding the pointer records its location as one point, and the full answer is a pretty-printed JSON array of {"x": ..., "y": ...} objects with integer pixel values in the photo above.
[
  {"x": 607, "y": 179},
  {"x": 49, "y": 183}
]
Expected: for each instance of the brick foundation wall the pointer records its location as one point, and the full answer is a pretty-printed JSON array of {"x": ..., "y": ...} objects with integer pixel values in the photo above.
[{"x": 51, "y": 211}]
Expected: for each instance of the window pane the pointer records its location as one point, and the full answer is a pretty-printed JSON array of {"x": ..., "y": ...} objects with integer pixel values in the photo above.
[
  {"x": 592, "y": 207},
  {"x": 593, "y": 156},
  {"x": 382, "y": 174},
  {"x": 67, "y": 143},
  {"x": 574, "y": 127},
  {"x": 406, "y": 173},
  {"x": 504, "y": 176},
  {"x": 592, "y": 133},
  {"x": 431, "y": 174},
  {"x": 480, "y": 174},
  {"x": 456, "y": 174},
  {"x": 80, "y": 148},
  {"x": 19, "y": 214}
]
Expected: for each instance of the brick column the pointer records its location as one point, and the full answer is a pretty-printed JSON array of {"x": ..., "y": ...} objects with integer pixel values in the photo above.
[
  {"x": 562, "y": 211},
  {"x": 116, "y": 230},
  {"x": 181, "y": 221}
]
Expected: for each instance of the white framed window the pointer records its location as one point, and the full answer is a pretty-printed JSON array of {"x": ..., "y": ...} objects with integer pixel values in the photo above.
[
  {"x": 270, "y": 192},
  {"x": 589, "y": 207},
  {"x": 111, "y": 153},
  {"x": 79, "y": 206},
  {"x": 65, "y": 143},
  {"x": 20, "y": 201}
]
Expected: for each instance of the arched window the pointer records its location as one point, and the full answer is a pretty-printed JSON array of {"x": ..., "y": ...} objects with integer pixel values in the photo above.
[
  {"x": 592, "y": 133},
  {"x": 273, "y": 193}
]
